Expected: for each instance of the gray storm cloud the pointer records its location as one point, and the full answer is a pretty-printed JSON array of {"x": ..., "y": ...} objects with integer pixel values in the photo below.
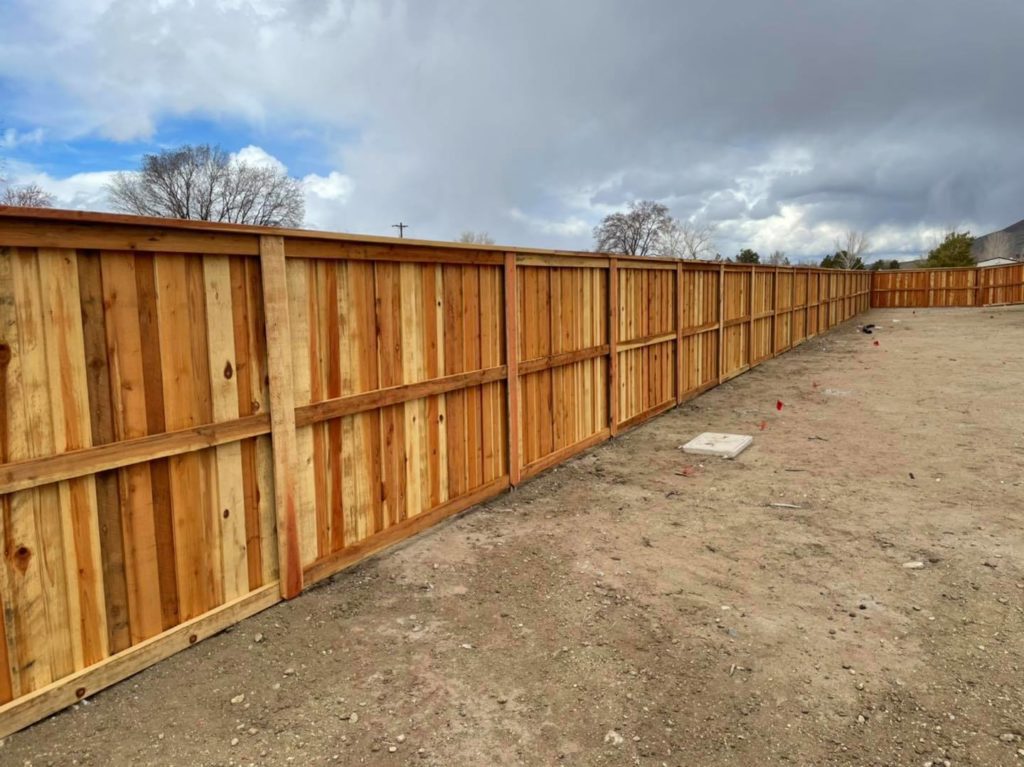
[{"x": 781, "y": 122}]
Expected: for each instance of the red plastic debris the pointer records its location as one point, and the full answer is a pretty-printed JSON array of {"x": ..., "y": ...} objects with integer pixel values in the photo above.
[
  {"x": 876, "y": 343},
  {"x": 778, "y": 404}
]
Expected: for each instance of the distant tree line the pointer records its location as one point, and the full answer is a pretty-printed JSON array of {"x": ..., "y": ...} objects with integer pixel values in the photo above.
[
  {"x": 647, "y": 228},
  {"x": 748, "y": 256}
]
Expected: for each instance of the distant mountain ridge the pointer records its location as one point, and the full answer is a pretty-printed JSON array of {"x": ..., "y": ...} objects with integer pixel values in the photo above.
[{"x": 1006, "y": 243}]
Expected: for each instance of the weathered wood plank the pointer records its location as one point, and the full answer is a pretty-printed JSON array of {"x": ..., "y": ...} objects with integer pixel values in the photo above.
[
  {"x": 223, "y": 366},
  {"x": 613, "y": 346},
  {"x": 538, "y": 364},
  {"x": 54, "y": 638},
  {"x": 108, "y": 502},
  {"x": 282, "y": 412},
  {"x": 160, "y": 470}
]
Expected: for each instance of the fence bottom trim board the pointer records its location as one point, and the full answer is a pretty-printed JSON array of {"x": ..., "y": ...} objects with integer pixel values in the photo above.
[
  {"x": 694, "y": 393},
  {"x": 639, "y": 418},
  {"x": 23, "y": 711},
  {"x": 338, "y": 561},
  {"x": 555, "y": 458},
  {"x": 737, "y": 372}
]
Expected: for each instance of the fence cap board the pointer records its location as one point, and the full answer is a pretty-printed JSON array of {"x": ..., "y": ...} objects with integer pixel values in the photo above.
[
  {"x": 58, "y": 216},
  {"x": 934, "y": 269}
]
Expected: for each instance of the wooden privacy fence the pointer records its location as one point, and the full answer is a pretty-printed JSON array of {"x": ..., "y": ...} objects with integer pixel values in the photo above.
[
  {"x": 197, "y": 420},
  {"x": 967, "y": 286}
]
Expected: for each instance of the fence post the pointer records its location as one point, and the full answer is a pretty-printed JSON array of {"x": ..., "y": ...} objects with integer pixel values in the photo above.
[
  {"x": 282, "y": 412},
  {"x": 977, "y": 286},
  {"x": 792, "y": 306},
  {"x": 613, "y": 346},
  {"x": 679, "y": 332},
  {"x": 775, "y": 311},
  {"x": 750, "y": 326},
  {"x": 512, "y": 366},
  {"x": 828, "y": 300},
  {"x": 807, "y": 303},
  {"x": 721, "y": 320}
]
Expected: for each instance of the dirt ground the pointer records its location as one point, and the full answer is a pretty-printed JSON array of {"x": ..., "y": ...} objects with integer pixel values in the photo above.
[{"x": 640, "y": 607}]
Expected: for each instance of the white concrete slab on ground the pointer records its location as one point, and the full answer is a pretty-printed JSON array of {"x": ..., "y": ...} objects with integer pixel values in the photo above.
[{"x": 722, "y": 445}]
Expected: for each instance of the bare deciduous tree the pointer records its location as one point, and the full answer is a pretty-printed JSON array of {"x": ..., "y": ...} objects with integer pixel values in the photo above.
[
  {"x": 643, "y": 230},
  {"x": 690, "y": 239},
  {"x": 849, "y": 249},
  {"x": 205, "y": 183},
  {"x": 648, "y": 229},
  {"x": 475, "y": 238},
  {"x": 778, "y": 258},
  {"x": 27, "y": 196}
]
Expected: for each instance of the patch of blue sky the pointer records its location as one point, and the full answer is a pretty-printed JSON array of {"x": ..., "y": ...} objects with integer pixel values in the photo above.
[{"x": 304, "y": 149}]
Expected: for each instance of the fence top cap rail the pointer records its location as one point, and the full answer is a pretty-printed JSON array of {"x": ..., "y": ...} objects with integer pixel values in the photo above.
[
  {"x": 58, "y": 215},
  {"x": 931, "y": 269}
]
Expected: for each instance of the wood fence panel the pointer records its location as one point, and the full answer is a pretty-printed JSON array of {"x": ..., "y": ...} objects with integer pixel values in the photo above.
[
  {"x": 764, "y": 307},
  {"x": 1001, "y": 285},
  {"x": 968, "y": 286},
  {"x": 798, "y": 324},
  {"x": 646, "y": 342},
  {"x": 783, "y": 310},
  {"x": 813, "y": 297},
  {"x": 370, "y": 457},
  {"x": 835, "y": 305},
  {"x": 699, "y": 295},
  {"x": 736, "y": 333},
  {"x": 563, "y": 321},
  {"x": 103, "y": 347},
  {"x": 824, "y": 294},
  {"x": 198, "y": 419}
]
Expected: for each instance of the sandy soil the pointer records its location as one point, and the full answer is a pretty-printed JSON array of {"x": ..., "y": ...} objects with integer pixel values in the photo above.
[{"x": 639, "y": 607}]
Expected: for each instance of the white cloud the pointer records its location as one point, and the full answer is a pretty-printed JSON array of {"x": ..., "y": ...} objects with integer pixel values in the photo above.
[
  {"x": 455, "y": 116},
  {"x": 80, "y": 191},
  {"x": 568, "y": 227},
  {"x": 259, "y": 157},
  {"x": 326, "y": 197},
  {"x": 12, "y": 138}
]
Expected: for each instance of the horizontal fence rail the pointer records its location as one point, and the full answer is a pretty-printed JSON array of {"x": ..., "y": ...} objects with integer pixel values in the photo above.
[
  {"x": 197, "y": 420},
  {"x": 966, "y": 286}
]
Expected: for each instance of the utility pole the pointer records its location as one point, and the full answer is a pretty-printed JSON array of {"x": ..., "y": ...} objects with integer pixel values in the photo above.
[{"x": 401, "y": 228}]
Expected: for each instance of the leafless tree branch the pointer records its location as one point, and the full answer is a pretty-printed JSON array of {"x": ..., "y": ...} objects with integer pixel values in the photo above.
[
  {"x": 205, "y": 183},
  {"x": 475, "y": 238},
  {"x": 26, "y": 196},
  {"x": 648, "y": 229}
]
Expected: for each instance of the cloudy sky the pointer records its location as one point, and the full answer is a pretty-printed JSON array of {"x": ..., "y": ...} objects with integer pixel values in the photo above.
[{"x": 782, "y": 122}]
